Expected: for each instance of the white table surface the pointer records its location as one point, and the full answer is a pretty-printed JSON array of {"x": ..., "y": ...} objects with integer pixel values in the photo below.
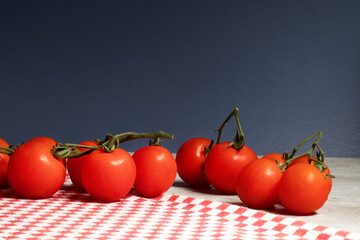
[{"x": 342, "y": 209}]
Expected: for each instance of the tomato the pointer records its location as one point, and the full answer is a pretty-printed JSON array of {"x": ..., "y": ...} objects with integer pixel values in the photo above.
[
  {"x": 4, "y": 160},
  {"x": 33, "y": 172},
  {"x": 48, "y": 142},
  {"x": 223, "y": 165},
  {"x": 75, "y": 164},
  {"x": 277, "y": 157},
  {"x": 257, "y": 184},
  {"x": 305, "y": 159},
  {"x": 190, "y": 160},
  {"x": 108, "y": 176},
  {"x": 303, "y": 189},
  {"x": 155, "y": 170}
]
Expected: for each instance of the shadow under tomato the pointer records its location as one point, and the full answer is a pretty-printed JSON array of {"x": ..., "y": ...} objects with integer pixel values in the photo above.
[
  {"x": 278, "y": 209},
  {"x": 7, "y": 192},
  {"x": 186, "y": 187}
]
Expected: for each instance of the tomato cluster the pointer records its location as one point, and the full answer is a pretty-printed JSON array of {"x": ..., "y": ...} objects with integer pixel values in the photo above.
[
  {"x": 299, "y": 183},
  {"x": 35, "y": 169}
]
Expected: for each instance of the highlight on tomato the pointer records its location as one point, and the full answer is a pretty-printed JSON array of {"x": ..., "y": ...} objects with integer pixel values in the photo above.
[
  {"x": 33, "y": 172},
  {"x": 50, "y": 143},
  {"x": 4, "y": 160},
  {"x": 190, "y": 159},
  {"x": 225, "y": 160},
  {"x": 155, "y": 170}
]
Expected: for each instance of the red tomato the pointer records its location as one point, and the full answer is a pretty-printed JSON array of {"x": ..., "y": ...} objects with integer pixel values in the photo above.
[
  {"x": 303, "y": 189},
  {"x": 75, "y": 164},
  {"x": 305, "y": 159},
  {"x": 302, "y": 159},
  {"x": 277, "y": 157},
  {"x": 33, "y": 172},
  {"x": 190, "y": 159},
  {"x": 223, "y": 165},
  {"x": 48, "y": 142},
  {"x": 4, "y": 160},
  {"x": 107, "y": 177},
  {"x": 44, "y": 140},
  {"x": 257, "y": 184},
  {"x": 155, "y": 170}
]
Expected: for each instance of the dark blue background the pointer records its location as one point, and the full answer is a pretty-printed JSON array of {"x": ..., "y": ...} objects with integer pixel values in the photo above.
[{"x": 77, "y": 70}]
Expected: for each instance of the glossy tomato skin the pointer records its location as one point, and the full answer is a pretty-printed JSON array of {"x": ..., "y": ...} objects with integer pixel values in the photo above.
[
  {"x": 4, "y": 160},
  {"x": 223, "y": 165},
  {"x": 107, "y": 177},
  {"x": 277, "y": 157},
  {"x": 305, "y": 159},
  {"x": 155, "y": 171},
  {"x": 303, "y": 189},
  {"x": 50, "y": 142},
  {"x": 257, "y": 184},
  {"x": 302, "y": 159},
  {"x": 33, "y": 172},
  {"x": 74, "y": 165},
  {"x": 190, "y": 160}
]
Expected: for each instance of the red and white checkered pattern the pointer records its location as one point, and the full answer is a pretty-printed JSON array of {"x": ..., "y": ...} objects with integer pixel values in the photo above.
[{"x": 70, "y": 214}]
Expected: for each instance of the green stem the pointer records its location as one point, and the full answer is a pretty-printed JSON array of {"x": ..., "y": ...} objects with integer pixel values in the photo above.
[
  {"x": 239, "y": 140},
  {"x": 69, "y": 150},
  {"x": 318, "y": 134},
  {"x": 132, "y": 136},
  {"x": 6, "y": 150},
  {"x": 320, "y": 156}
]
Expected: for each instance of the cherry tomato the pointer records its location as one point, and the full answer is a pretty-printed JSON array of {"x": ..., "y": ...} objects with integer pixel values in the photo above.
[
  {"x": 257, "y": 184},
  {"x": 50, "y": 142},
  {"x": 108, "y": 176},
  {"x": 33, "y": 172},
  {"x": 4, "y": 160},
  {"x": 190, "y": 160},
  {"x": 75, "y": 164},
  {"x": 223, "y": 165},
  {"x": 155, "y": 170},
  {"x": 305, "y": 159},
  {"x": 277, "y": 157},
  {"x": 303, "y": 189}
]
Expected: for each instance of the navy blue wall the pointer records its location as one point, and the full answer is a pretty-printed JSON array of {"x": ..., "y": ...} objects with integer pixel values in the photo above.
[{"x": 77, "y": 70}]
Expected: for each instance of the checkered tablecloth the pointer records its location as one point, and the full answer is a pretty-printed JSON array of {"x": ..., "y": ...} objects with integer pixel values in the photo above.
[{"x": 70, "y": 214}]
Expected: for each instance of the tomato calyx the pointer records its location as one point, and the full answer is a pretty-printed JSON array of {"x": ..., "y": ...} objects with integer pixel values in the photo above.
[
  {"x": 155, "y": 142},
  {"x": 109, "y": 144}
]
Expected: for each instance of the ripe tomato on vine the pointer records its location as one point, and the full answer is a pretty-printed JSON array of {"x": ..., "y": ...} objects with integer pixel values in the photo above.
[
  {"x": 33, "y": 172},
  {"x": 225, "y": 160}
]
